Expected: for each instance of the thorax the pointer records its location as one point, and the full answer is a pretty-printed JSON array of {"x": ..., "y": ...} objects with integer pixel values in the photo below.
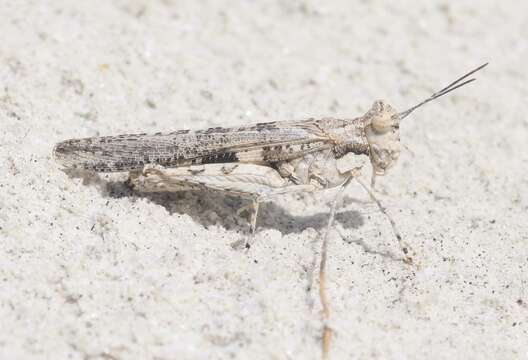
[{"x": 323, "y": 169}]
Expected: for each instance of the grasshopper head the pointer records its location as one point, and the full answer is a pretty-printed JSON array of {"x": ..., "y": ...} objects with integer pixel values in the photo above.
[
  {"x": 383, "y": 135},
  {"x": 382, "y": 126}
]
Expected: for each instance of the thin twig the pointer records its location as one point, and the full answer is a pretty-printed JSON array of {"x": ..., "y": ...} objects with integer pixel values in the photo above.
[{"x": 327, "y": 331}]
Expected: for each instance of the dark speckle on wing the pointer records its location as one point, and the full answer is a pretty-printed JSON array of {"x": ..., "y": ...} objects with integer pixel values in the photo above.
[{"x": 227, "y": 157}]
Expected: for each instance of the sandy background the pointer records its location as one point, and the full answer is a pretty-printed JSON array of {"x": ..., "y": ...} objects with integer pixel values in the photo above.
[{"x": 89, "y": 270}]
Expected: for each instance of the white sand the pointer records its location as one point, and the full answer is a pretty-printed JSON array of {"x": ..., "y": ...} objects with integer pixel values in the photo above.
[{"x": 89, "y": 270}]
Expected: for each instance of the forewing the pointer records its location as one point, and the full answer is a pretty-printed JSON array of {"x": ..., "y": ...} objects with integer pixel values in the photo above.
[{"x": 260, "y": 144}]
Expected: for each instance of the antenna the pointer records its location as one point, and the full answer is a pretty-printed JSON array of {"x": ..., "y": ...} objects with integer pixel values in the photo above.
[{"x": 453, "y": 86}]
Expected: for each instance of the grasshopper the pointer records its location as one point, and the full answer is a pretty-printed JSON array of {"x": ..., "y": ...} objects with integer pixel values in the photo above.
[{"x": 256, "y": 162}]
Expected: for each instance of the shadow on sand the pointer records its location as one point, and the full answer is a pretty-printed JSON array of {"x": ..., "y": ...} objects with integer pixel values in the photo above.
[{"x": 214, "y": 208}]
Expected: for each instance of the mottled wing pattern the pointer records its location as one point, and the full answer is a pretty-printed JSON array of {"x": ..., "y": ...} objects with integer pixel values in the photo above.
[{"x": 259, "y": 144}]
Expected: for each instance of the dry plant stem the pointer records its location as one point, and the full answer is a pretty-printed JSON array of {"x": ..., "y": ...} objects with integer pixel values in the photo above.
[
  {"x": 327, "y": 331},
  {"x": 404, "y": 248}
]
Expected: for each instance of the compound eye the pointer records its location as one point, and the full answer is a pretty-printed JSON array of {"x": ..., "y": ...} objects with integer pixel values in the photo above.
[
  {"x": 382, "y": 122},
  {"x": 382, "y": 117}
]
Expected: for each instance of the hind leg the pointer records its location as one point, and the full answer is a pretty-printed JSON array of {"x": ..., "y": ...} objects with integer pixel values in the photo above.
[{"x": 254, "y": 182}]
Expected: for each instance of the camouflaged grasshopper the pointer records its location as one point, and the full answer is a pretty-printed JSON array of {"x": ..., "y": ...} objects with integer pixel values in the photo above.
[{"x": 256, "y": 162}]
